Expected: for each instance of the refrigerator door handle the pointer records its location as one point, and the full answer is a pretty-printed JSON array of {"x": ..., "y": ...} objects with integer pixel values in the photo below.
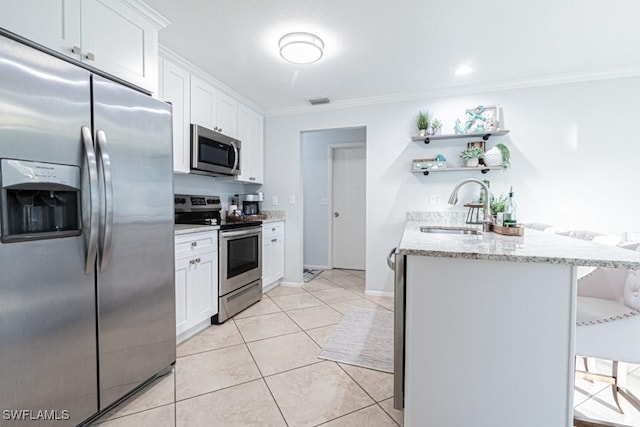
[
  {"x": 94, "y": 201},
  {"x": 106, "y": 220}
]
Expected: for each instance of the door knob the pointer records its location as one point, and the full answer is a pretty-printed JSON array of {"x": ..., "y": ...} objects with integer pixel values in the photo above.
[{"x": 336, "y": 214}]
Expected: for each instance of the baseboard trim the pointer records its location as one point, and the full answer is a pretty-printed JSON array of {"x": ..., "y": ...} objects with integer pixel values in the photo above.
[
  {"x": 292, "y": 284},
  {"x": 270, "y": 286},
  {"x": 378, "y": 293},
  {"x": 317, "y": 267},
  {"x": 196, "y": 329}
]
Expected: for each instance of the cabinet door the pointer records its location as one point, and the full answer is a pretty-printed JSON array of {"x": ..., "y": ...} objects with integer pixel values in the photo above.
[
  {"x": 257, "y": 156},
  {"x": 51, "y": 23},
  {"x": 250, "y": 133},
  {"x": 175, "y": 88},
  {"x": 204, "y": 286},
  {"x": 244, "y": 132},
  {"x": 203, "y": 103},
  {"x": 277, "y": 260},
  {"x": 120, "y": 41},
  {"x": 267, "y": 269},
  {"x": 227, "y": 115},
  {"x": 182, "y": 301}
]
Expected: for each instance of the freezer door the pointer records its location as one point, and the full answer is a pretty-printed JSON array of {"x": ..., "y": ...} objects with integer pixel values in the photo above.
[
  {"x": 136, "y": 296},
  {"x": 47, "y": 303}
]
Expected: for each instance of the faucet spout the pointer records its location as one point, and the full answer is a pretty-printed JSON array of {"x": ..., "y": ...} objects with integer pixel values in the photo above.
[{"x": 453, "y": 199}]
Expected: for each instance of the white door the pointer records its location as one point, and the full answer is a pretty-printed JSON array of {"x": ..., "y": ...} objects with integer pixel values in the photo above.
[{"x": 348, "y": 202}]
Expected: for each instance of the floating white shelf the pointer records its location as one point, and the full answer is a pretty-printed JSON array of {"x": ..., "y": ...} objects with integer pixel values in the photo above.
[
  {"x": 484, "y": 135},
  {"x": 482, "y": 169}
]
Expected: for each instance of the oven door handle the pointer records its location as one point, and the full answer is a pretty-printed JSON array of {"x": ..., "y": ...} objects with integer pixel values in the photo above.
[{"x": 250, "y": 232}]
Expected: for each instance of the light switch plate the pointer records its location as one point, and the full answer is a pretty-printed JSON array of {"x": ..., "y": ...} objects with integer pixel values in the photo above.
[
  {"x": 292, "y": 199},
  {"x": 324, "y": 201},
  {"x": 274, "y": 200}
]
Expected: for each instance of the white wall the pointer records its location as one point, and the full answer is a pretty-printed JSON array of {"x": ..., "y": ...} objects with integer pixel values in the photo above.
[
  {"x": 315, "y": 170},
  {"x": 574, "y": 162}
]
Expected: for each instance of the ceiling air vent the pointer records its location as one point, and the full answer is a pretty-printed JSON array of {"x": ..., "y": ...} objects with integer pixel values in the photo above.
[{"x": 318, "y": 101}]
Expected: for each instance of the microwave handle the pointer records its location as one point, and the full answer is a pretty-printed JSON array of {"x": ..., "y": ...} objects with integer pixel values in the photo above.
[{"x": 236, "y": 159}]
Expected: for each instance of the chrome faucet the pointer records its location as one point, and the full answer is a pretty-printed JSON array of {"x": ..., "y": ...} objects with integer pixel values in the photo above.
[{"x": 453, "y": 199}]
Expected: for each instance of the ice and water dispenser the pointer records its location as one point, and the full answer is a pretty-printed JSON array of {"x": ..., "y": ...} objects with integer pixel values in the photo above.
[{"x": 39, "y": 200}]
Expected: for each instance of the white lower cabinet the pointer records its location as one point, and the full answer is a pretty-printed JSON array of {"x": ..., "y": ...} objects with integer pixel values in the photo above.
[
  {"x": 196, "y": 280},
  {"x": 272, "y": 253}
]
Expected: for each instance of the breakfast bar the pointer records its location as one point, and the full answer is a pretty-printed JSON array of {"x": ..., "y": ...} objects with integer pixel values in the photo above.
[{"x": 490, "y": 324}]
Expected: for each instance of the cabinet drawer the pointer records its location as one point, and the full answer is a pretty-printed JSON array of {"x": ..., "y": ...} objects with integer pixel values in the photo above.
[
  {"x": 272, "y": 229},
  {"x": 196, "y": 243}
]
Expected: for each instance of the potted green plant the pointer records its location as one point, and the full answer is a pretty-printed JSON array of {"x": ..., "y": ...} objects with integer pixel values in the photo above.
[
  {"x": 423, "y": 121},
  {"x": 472, "y": 156},
  {"x": 499, "y": 155},
  {"x": 437, "y": 126}
]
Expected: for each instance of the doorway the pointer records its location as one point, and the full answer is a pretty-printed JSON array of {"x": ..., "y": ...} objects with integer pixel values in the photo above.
[
  {"x": 348, "y": 203},
  {"x": 317, "y": 192}
]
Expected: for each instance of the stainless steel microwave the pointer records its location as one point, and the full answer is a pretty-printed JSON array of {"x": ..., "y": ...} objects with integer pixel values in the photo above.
[{"x": 214, "y": 153}]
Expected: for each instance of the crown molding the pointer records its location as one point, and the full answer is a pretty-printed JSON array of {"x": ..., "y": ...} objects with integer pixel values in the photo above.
[
  {"x": 166, "y": 53},
  {"x": 557, "y": 79},
  {"x": 139, "y": 6}
]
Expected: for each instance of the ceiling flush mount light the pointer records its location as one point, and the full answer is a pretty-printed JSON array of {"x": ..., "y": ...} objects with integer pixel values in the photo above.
[
  {"x": 461, "y": 71},
  {"x": 301, "y": 48}
]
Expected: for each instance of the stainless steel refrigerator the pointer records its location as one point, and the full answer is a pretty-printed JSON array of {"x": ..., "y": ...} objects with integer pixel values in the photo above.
[{"x": 87, "y": 310}]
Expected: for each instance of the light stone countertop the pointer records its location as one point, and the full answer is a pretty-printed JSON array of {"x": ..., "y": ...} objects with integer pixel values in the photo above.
[
  {"x": 534, "y": 246},
  {"x": 193, "y": 228},
  {"x": 273, "y": 216}
]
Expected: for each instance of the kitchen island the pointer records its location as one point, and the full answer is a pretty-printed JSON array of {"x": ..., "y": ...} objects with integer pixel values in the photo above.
[{"x": 490, "y": 325}]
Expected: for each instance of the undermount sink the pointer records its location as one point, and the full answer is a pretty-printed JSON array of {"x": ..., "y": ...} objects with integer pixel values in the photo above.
[{"x": 449, "y": 230}]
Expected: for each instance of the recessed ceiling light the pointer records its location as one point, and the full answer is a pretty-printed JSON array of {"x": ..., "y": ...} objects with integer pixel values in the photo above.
[
  {"x": 461, "y": 71},
  {"x": 301, "y": 48}
]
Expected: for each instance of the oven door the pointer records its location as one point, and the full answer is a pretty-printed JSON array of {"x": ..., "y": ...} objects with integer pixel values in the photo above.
[
  {"x": 240, "y": 258},
  {"x": 214, "y": 152}
]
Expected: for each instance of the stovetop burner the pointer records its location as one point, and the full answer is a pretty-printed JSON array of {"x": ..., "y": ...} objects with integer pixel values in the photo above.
[{"x": 205, "y": 210}]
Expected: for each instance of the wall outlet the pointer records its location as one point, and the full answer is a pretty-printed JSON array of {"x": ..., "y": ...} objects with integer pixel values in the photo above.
[
  {"x": 434, "y": 199},
  {"x": 274, "y": 200},
  {"x": 292, "y": 199}
]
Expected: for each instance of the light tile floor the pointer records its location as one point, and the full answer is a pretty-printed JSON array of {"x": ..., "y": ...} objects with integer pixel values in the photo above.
[{"x": 261, "y": 369}]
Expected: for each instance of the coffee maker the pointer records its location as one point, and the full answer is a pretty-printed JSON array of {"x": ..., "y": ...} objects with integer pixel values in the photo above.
[{"x": 249, "y": 203}]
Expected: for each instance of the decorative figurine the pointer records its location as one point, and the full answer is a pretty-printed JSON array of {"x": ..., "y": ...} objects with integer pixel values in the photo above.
[{"x": 475, "y": 121}]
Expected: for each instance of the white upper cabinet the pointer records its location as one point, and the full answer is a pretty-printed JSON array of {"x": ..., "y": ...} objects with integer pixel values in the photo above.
[
  {"x": 118, "y": 37},
  {"x": 175, "y": 88},
  {"x": 203, "y": 104},
  {"x": 196, "y": 99},
  {"x": 213, "y": 109},
  {"x": 251, "y": 135},
  {"x": 51, "y": 23}
]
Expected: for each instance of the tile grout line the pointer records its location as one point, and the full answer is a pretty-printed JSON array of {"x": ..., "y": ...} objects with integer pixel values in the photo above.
[
  {"x": 342, "y": 416},
  {"x": 262, "y": 377}
]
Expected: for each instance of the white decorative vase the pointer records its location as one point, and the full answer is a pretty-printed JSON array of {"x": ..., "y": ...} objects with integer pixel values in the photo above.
[
  {"x": 493, "y": 157},
  {"x": 472, "y": 163}
]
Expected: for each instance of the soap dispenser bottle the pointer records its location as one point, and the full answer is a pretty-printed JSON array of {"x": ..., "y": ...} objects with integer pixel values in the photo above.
[{"x": 509, "y": 216}]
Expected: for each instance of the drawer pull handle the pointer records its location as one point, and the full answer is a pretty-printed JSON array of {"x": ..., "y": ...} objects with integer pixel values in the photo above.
[
  {"x": 194, "y": 244},
  {"x": 198, "y": 260},
  {"x": 274, "y": 240},
  {"x": 193, "y": 261}
]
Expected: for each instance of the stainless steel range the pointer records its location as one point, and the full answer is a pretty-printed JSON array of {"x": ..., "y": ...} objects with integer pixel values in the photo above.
[{"x": 239, "y": 253}]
